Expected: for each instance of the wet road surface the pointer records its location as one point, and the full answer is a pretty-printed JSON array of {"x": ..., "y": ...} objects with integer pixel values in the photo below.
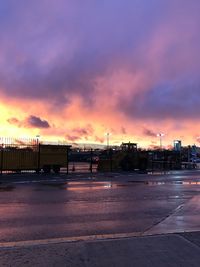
[{"x": 56, "y": 209}]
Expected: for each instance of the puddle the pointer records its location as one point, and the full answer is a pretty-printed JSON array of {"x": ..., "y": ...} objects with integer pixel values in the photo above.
[
  {"x": 77, "y": 186},
  {"x": 159, "y": 172},
  {"x": 88, "y": 186},
  {"x": 191, "y": 183},
  {"x": 174, "y": 183},
  {"x": 53, "y": 183},
  {"x": 131, "y": 183},
  {"x": 4, "y": 188},
  {"x": 83, "y": 186}
]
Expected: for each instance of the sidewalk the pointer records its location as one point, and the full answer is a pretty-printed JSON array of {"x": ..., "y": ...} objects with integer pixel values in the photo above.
[{"x": 155, "y": 251}]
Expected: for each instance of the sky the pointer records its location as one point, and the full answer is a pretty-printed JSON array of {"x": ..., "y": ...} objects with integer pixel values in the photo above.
[{"x": 74, "y": 70}]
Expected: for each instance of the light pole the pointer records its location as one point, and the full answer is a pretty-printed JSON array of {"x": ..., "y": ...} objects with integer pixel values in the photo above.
[
  {"x": 37, "y": 139},
  {"x": 160, "y": 135},
  {"x": 38, "y": 150},
  {"x": 107, "y": 138}
]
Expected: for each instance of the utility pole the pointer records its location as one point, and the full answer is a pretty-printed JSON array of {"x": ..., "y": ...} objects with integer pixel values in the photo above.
[
  {"x": 160, "y": 135},
  {"x": 107, "y": 138}
]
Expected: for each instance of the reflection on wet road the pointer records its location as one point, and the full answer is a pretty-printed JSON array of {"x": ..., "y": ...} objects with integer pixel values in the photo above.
[
  {"x": 53, "y": 209},
  {"x": 174, "y": 182},
  {"x": 79, "y": 186}
]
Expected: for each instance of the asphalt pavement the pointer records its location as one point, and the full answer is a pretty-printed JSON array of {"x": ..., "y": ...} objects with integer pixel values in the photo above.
[{"x": 100, "y": 220}]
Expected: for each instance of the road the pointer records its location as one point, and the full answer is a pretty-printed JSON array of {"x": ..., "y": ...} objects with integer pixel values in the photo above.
[{"x": 55, "y": 209}]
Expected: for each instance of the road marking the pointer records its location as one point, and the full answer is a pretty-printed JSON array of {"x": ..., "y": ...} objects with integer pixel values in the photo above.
[{"x": 49, "y": 241}]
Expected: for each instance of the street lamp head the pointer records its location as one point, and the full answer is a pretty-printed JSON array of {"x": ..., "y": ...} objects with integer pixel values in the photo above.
[{"x": 160, "y": 134}]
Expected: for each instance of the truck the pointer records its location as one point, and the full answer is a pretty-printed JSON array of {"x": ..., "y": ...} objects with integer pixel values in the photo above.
[{"x": 36, "y": 158}]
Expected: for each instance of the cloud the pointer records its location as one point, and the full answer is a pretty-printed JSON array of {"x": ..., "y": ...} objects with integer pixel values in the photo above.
[
  {"x": 14, "y": 121},
  {"x": 36, "y": 122},
  {"x": 148, "y": 132},
  {"x": 123, "y": 130},
  {"x": 30, "y": 122},
  {"x": 78, "y": 133},
  {"x": 99, "y": 139},
  {"x": 173, "y": 100},
  {"x": 71, "y": 138},
  {"x": 60, "y": 49},
  {"x": 83, "y": 131},
  {"x": 136, "y": 61}
]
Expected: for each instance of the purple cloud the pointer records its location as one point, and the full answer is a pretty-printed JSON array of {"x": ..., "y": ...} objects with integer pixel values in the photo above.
[
  {"x": 63, "y": 46},
  {"x": 149, "y": 132},
  {"x": 54, "y": 50},
  {"x": 36, "y": 122},
  {"x": 168, "y": 101},
  {"x": 83, "y": 131},
  {"x": 31, "y": 122}
]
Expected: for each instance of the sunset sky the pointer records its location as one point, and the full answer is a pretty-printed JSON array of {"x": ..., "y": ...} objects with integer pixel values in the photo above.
[{"x": 73, "y": 70}]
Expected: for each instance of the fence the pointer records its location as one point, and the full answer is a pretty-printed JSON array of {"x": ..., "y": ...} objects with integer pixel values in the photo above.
[
  {"x": 85, "y": 160},
  {"x": 28, "y": 155},
  {"x": 18, "y": 154}
]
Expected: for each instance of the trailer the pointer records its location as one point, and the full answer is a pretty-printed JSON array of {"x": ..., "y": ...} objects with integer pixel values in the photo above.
[{"x": 37, "y": 158}]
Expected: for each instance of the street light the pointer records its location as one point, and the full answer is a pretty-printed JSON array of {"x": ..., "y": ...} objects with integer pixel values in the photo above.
[
  {"x": 160, "y": 135},
  {"x": 107, "y": 138},
  {"x": 37, "y": 139}
]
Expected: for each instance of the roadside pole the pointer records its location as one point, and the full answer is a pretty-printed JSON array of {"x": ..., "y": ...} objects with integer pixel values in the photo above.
[
  {"x": 67, "y": 160},
  {"x": 2, "y": 160},
  {"x": 91, "y": 158}
]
